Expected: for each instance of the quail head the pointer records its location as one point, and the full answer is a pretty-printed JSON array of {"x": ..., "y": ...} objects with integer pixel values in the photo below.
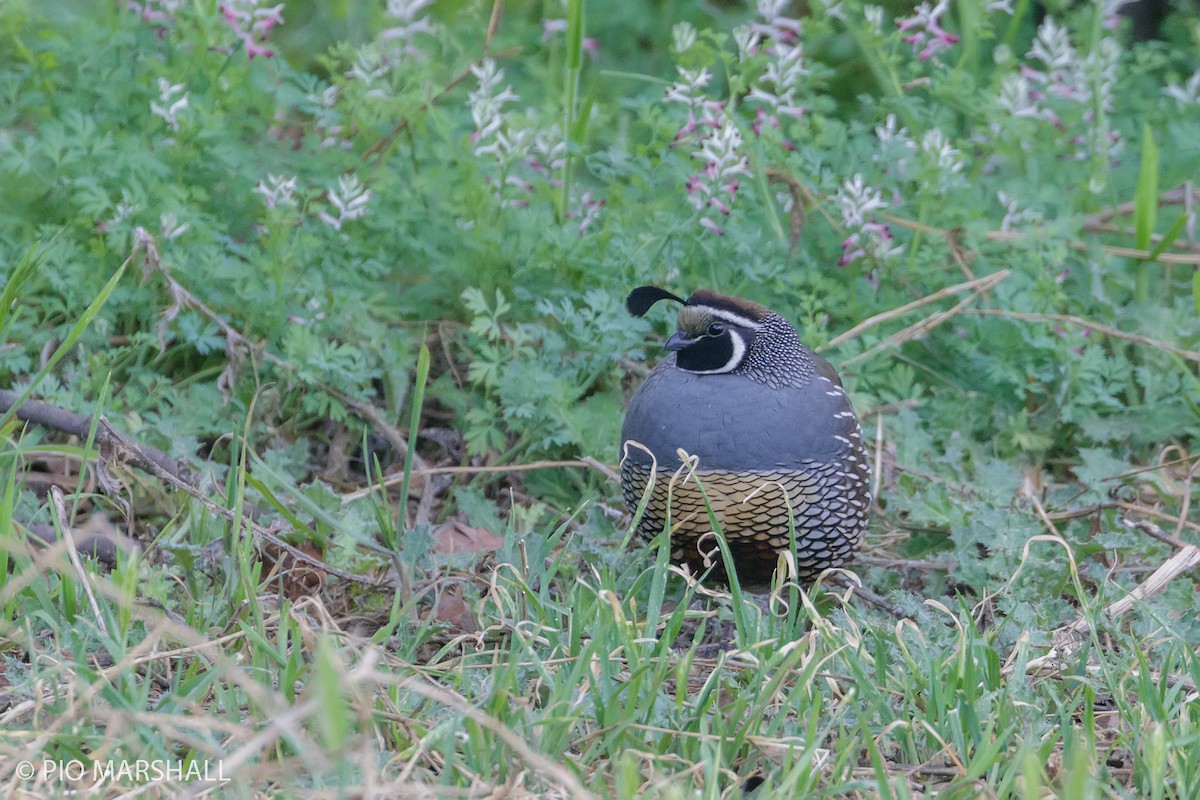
[{"x": 778, "y": 447}]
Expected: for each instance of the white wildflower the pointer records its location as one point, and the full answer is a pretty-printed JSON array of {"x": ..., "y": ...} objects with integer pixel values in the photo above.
[
  {"x": 874, "y": 17},
  {"x": 857, "y": 200},
  {"x": 170, "y": 226},
  {"x": 683, "y": 36},
  {"x": 172, "y": 99},
  {"x": 779, "y": 83},
  {"x": 774, "y": 23},
  {"x": 1188, "y": 94},
  {"x": 747, "y": 41},
  {"x": 411, "y": 20},
  {"x": 487, "y": 104},
  {"x": 586, "y": 209},
  {"x": 323, "y": 106},
  {"x": 689, "y": 91},
  {"x": 873, "y": 240},
  {"x": 276, "y": 191},
  {"x": 125, "y": 209},
  {"x": 715, "y": 187},
  {"x": 925, "y": 31},
  {"x": 350, "y": 198},
  {"x": 835, "y": 10},
  {"x": 1110, "y": 12},
  {"x": 1053, "y": 47},
  {"x": 935, "y": 145},
  {"x": 893, "y": 133},
  {"x": 1014, "y": 215},
  {"x": 1017, "y": 98},
  {"x": 371, "y": 70}
]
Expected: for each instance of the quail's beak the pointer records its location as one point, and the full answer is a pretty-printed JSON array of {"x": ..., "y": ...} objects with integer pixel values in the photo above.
[{"x": 677, "y": 342}]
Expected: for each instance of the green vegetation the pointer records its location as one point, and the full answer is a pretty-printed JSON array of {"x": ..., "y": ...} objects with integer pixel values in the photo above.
[{"x": 360, "y": 268}]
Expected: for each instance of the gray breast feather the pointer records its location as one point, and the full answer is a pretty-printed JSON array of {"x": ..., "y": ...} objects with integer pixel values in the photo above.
[{"x": 733, "y": 423}]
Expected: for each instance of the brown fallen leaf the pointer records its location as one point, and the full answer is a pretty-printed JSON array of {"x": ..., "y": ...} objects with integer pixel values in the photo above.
[
  {"x": 451, "y": 608},
  {"x": 459, "y": 537},
  {"x": 297, "y": 579}
]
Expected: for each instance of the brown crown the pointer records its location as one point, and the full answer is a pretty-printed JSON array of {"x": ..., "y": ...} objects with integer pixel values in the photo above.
[{"x": 735, "y": 305}]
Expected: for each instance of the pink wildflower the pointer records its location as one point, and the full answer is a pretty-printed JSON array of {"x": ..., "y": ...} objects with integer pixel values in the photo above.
[{"x": 926, "y": 29}]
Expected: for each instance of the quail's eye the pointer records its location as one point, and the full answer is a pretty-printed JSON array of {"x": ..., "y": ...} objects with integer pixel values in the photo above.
[{"x": 716, "y": 329}]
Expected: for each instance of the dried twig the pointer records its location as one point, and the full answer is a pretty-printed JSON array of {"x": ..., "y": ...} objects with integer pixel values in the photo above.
[
  {"x": 1087, "y": 511},
  {"x": 400, "y": 445},
  {"x": 1191, "y": 259},
  {"x": 1154, "y": 532},
  {"x": 904, "y": 563},
  {"x": 976, "y": 286},
  {"x": 1187, "y": 557},
  {"x": 917, "y": 329},
  {"x": 384, "y": 143},
  {"x": 122, "y": 450},
  {"x": 116, "y": 448},
  {"x": 72, "y": 424},
  {"x": 1069, "y": 319},
  {"x": 797, "y": 188},
  {"x": 1185, "y": 459},
  {"x": 182, "y": 296},
  {"x": 603, "y": 469},
  {"x": 1154, "y": 512},
  {"x": 1178, "y": 195}
]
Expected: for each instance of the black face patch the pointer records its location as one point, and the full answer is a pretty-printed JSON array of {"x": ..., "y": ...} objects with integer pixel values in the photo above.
[{"x": 707, "y": 353}]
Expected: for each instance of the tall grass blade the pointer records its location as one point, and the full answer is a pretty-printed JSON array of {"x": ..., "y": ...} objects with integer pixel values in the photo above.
[
  {"x": 1145, "y": 208},
  {"x": 414, "y": 422},
  {"x": 82, "y": 324}
]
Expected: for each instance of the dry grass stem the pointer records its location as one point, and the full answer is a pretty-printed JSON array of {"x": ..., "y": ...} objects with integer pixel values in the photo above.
[
  {"x": 1068, "y": 319},
  {"x": 976, "y": 286}
]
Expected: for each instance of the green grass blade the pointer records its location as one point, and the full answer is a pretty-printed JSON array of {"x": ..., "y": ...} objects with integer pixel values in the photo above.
[
  {"x": 1145, "y": 207},
  {"x": 742, "y": 624},
  {"x": 84, "y": 322},
  {"x": 29, "y": 262},
  {"x": 571, "y": 96},
  {"x": 414, "y": 423},
  {"x": 8, "y": 533},
  {"x": 1169, "y": 237},
  {"x": 334, "y": 721}
]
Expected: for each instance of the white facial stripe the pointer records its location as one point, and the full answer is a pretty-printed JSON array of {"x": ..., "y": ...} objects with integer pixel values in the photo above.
[
  {"x": 739, "y": 350},
  {"x": 729, "y": 316}
]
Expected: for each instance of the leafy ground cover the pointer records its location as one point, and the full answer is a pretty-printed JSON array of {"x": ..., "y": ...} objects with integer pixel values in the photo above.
[{"x": 320, "y": 305}]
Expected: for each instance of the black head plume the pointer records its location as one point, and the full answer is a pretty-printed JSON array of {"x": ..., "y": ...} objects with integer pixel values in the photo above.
[{"x": 641, "y": 298}]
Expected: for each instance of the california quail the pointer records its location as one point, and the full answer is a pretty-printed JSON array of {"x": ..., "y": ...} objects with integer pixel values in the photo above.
[{"x": 771, "y": 427}]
